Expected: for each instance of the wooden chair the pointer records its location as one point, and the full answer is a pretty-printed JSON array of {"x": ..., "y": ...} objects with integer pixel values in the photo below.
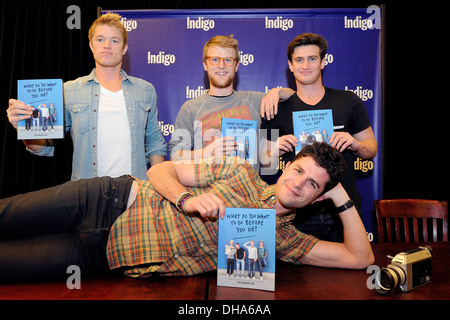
[{"x": 394, "y": 218}]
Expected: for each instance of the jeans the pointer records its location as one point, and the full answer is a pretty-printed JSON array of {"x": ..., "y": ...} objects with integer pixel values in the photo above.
[
  {"x": 261, "y": 264},
  {"x": 251, "y": 268},
  {"x": 230, "y": 266},
  {"x": 240, "y": 267},
  {"x": 43, "y": 232}
]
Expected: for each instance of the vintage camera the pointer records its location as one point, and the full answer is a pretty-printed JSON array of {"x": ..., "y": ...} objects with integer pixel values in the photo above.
[{"x": 407, "y": 271}]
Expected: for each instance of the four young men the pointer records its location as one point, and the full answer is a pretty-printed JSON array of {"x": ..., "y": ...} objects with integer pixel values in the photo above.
[{"x": 168, "y": 224}]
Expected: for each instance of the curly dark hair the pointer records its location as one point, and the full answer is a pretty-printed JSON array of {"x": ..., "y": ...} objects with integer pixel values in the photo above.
[{"x": 326, "y": 157}]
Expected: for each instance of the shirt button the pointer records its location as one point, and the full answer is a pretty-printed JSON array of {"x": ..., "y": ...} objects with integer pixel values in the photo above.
[
  {"x": 201, "y": 245},
  {"x": 175, "y": 256}
]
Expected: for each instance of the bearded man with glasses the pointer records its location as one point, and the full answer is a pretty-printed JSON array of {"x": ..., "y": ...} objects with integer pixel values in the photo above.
[{"x": 202, "y": 115}]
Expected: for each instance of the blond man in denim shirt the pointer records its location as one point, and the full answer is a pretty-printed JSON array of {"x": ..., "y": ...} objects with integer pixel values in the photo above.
[{"x": 103, "y": 137}]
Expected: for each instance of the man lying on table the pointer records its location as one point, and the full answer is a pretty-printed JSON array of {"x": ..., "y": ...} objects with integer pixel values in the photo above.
[{"x": 168, "y": 225}]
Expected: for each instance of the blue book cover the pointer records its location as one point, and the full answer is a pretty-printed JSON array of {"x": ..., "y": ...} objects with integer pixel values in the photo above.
[
  {"x": 245, "y": 133},
  {"x": 246, "y": 249},
  {"x": 312, "y": 126},
  {"x": 45, "y": 96}
]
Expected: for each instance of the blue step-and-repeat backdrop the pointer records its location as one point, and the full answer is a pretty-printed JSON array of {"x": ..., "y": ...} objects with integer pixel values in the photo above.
[{"x": 165, "y": 48}]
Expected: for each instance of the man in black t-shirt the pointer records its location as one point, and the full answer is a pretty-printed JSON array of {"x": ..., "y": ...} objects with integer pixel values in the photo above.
[
  {"x": 240, "y": 261},
  {"x": 353, "y": 134}
]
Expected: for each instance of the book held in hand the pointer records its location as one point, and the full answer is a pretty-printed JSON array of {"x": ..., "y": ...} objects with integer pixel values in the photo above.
[
  {"x": 312, "y": 126},
  {"x": 244, "y": 132},
  {"x": 45, "y": 96},
  {"x": 246, "y": 249}
]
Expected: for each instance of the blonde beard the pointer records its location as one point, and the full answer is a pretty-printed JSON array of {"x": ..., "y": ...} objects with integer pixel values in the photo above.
[{"x": 225, "y": 84}]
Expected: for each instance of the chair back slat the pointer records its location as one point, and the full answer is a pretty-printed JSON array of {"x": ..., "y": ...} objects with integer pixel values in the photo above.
[{"x": 426, "y": 215}]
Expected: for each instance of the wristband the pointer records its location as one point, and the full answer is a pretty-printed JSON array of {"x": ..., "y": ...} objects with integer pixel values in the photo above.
[
  {"x": 349, "y": 204},
  {"x": 181, "y": 199}
]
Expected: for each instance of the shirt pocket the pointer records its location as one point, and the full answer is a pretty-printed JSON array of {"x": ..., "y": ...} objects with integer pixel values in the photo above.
[
  {"x": 142, "y": 111},
  {"x": 79, "y": 114}
]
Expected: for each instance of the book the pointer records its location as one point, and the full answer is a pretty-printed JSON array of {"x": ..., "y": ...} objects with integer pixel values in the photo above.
[
  {"x": 46, "y": 97},
  {"x": 244, "y": 132},
  {"x": 246, "y": 233},
  {"x": 312, "y": 126}
]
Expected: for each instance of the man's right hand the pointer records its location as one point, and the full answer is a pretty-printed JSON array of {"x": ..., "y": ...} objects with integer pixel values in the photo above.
[
  {"x": 286, "y": 143},
  {"x": 18, "y": 111},
  {"x": 220, "y": 146},
  {"x": 207, "y": 205}
]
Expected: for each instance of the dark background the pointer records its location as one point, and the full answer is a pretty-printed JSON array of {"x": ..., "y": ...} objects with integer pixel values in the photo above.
[{"x": 35, "y": 43}]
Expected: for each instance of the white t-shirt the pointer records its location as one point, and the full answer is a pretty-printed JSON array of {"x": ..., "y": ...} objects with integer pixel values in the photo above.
[
  {"x": 113, "y": 135},
  {"x": 252, "y": 251}
]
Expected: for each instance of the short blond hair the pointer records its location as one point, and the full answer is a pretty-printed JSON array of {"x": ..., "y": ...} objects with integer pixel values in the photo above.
[
  {"x": 221, "y": 41},
  {"x": 112, "y": 20}
]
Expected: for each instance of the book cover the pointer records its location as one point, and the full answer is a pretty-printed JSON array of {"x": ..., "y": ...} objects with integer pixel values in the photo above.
[
  {"x": 312, "y": 126},
  {"x": 246, "y": 249},
  {"x": 46, "y": 97},
  {"x": 245, "y": 133}
]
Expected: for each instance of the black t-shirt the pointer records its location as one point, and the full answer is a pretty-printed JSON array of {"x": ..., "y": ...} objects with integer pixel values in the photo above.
[
  {"x": 349, "y": 115},
  {"x": 240, "y": 253},
  {"x": 36, "y": 113}
]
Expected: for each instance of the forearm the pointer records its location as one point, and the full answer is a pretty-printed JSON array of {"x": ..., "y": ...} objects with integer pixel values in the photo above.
[
  {"x": 35, "y": 145},
  {"x": 367, "y": 149},
  {"x": 355, "y": 252},
  {"x": 355, "y": 236},
  {"x": 186, "y": 155},
  {"x": 285, "y": 93},
  {"x": 269, "y": 154},
  {"x": 219, "y": 147},
  {"x": 366, "y": 146},
  {"x": 155, "y": 159},
  {"x": 166, "y": 180}
]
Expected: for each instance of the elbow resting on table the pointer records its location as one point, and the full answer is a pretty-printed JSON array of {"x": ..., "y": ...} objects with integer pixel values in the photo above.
[
  {"x": 364, "y": 261},
  {"x": 357, "y": 260}
]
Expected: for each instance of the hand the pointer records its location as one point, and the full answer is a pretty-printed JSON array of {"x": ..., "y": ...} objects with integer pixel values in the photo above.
[
  {"x": 286, "y": 143},
  {"x": 269, "y": 104},
  {"x": 344, "y": 140},
  {"x": 207, "y": 205},
  {"x": 221, "y": 146},
  {"x": 17, "y": 111},
  {"x": 338, "y": 195}
]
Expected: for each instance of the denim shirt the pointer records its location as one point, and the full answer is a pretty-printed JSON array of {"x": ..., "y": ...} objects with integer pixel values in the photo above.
[{"x": 81, "y": 102}]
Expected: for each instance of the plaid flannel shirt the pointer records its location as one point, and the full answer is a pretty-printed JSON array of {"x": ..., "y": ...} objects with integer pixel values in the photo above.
[{"x": 152, "y": 236}]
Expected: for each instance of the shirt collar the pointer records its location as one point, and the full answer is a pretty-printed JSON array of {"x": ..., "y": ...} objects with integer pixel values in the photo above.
[
  {"x": 268, "y": 196},
  {"x": 91, "y": 76}
]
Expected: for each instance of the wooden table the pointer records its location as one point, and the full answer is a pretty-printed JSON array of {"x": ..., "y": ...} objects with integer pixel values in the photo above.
[
  {"x": 292, "y": 283},
  {"x": 111, "y": 287},
  {"x": 314, "y": 283}
]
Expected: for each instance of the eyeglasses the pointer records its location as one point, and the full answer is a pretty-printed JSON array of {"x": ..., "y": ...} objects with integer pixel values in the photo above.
[{"x": 228, "y": 61}]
